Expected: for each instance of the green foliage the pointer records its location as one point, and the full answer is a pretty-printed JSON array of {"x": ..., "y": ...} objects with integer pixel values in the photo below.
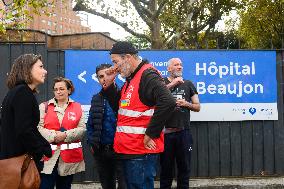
[
  {"x": 168, "y": 23},
  {"x": 262, "y": 24},
  {"x": 140, "y": 43},
  {"x": 194, "y": 20},
  {"x": 213, "y": 40},
  {"x": 18, "y": 12}
]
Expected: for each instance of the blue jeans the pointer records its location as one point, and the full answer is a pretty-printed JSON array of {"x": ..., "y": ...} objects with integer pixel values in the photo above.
[
  {"x": 178, "y": 147},
  {"x": 140, "y": 172},
  {"x": 61, "y": 182}
]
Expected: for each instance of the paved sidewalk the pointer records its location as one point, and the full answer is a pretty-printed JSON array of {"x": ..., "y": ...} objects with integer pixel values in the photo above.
[{"x": 217, "y": 183}]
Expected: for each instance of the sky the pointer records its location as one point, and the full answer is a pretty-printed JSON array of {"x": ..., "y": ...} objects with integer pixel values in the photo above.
[{"x": 99, "y": 24}]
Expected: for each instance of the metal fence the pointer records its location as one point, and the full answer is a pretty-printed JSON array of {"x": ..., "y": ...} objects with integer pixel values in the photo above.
[{"x": 221, "y": 149}]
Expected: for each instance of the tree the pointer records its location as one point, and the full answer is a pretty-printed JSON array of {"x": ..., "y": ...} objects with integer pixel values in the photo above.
[
  {"x": 192, "y": 21},
  {"x": 17, "y": 12},
  {"x": 262, "y": 24},
  {"x": 127, "y": 14},
  {"x": 165, "y": 19}
]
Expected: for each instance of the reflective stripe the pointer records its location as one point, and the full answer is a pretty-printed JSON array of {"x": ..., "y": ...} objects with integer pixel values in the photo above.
[
  {"x": 70, "y": 146},
  {"x": 130, "y": 129},
  {"x": 66, "y": 146},
  {"x": 53, "y": 147},
  {"x": 132, "y": 113}
]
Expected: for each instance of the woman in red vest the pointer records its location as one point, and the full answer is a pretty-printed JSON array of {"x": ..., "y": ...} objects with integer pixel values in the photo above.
[{"x": 62, "y": 125}]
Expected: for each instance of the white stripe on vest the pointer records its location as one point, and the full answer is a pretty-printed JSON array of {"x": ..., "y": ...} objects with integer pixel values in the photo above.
[
  {"x": 130, "y": 129},
  {"x": 132, "y": 113},
  {"x": 66, "y": 146}
]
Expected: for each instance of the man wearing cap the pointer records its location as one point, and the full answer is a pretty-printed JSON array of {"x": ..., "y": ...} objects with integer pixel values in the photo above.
[
  {"x": 143, "y": 105},
  {"x": 178, "y": 139}
]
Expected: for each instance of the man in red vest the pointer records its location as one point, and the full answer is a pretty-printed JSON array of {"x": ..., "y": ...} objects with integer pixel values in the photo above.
[{"x": 143, "y": 106}]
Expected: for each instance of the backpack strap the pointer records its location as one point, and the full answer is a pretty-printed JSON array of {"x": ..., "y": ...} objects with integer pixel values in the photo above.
[{"x": 45, "y": 106}]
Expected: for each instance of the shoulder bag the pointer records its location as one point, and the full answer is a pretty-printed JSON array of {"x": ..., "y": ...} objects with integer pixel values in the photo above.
[{"x": 19, "y": 173}]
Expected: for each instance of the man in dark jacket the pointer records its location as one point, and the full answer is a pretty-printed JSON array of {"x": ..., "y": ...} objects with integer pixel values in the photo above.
[
  {"x": 101, "y": 127},
  {"x": 143, "y": 106}
]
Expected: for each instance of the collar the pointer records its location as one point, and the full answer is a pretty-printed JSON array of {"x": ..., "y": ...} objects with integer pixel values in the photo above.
[
  {"x": 142, "y": 63},
  {"x": 54, "y": 102}
]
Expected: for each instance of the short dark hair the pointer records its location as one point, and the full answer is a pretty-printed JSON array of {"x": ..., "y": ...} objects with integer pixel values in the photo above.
[
  {"x": 123, "y": 47},
  {"x": 21, "y": 70},
  {"x": 68, "y": 83},
  {"x": 102, "y": 67}
]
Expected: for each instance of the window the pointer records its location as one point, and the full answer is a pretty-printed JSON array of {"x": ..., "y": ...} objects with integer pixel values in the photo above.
[{"x": 49, "y": 23}]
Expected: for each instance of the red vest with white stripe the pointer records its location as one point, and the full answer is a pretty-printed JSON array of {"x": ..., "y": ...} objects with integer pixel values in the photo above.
[
  {"x": 70, "y": 120},
  {"x": 133, "y": 120}
]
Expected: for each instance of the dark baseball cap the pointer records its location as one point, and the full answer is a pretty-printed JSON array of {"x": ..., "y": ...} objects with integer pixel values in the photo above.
[{"x": 123, "y": 47}]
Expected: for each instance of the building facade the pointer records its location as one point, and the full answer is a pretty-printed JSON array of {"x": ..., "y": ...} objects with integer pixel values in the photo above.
[
  {"x": 61, "y": 20},
  {"x": 56, "y": 19}
]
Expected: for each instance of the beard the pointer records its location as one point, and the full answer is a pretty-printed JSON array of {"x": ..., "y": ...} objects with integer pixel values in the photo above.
[
  {"x": 176, "y": 74},
  {"x": 125, "y": 70}
]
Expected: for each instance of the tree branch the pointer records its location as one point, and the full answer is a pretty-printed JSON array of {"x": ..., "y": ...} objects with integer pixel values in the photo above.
[
  {"x": 160, "y": 9},
  {"x": 143, "y": 13},
  {"x": 145, "y": 2},
  {"x": 124, "y": 25}
]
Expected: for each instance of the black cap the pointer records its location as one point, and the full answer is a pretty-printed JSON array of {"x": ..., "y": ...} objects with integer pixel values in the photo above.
[{"x": 123, "y": 47}]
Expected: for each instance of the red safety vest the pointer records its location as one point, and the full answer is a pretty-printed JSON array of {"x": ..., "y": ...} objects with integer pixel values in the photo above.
[
  {"x": 133, "y": 120},
  {"x": 70, "y": 120}
]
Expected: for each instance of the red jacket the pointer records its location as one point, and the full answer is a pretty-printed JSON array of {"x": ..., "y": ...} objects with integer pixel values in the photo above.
[
  {"x": 72, "y": 152},
  {"x": 133, "y": 120}
]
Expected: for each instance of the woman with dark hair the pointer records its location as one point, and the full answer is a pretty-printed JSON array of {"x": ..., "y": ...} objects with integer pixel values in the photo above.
[
  {"x": 62, "y": 125},
  {"x": 20, "y": 113}
]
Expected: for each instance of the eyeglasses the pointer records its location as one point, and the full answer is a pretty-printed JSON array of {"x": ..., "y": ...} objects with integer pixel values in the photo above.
[{"x": 60, "y": 90}]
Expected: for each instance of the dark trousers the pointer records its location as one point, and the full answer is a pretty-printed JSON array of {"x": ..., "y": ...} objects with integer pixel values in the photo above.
[
  {"x": 140, "y": 172},
  {"x": 109, "y": 168},
  {"x": 61, "y": 182},
  {"x": 178, "y": 147}
]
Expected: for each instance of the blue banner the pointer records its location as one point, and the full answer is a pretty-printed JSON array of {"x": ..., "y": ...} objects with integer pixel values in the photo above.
[{"x": 221, "y": 77}]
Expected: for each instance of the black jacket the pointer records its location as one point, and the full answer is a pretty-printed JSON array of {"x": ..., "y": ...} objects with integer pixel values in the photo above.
[
  {"x": 20, "y": 117},
  {"x": 95, "y": 119}
]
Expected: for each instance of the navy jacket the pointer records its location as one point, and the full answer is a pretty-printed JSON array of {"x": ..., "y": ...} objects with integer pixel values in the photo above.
[{"x": 95, "y": 119}]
